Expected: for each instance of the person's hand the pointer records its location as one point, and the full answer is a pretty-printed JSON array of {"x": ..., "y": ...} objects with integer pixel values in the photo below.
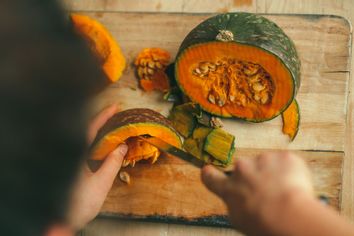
[
  {"x": 91, "y": 189},
  {"x": 258, "y": 191}
]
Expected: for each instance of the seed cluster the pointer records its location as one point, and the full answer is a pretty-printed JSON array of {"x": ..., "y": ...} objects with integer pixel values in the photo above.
[
  {"x": 150, "y": 61},
  {"x": 147, "y": 68},
  {"x": 235, "y": 82}
]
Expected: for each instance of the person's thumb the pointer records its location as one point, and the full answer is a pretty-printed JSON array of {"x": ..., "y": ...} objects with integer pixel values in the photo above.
[{"x": 111, "y": 165}]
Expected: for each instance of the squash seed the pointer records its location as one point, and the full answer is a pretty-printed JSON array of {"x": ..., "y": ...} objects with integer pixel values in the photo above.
[
  {"x": 211, "y": 99},
  {"x": 150, "y": 71},
  {"x": 215, "y": 122},
  {"x": 265, "y": 98},
  {"x": 158, "y": 65},
  {"x": 257, "y": 97},
  {"x": 140, "y": 72},
  {"x": 125, "y": 177},
  {"x": 258, "y": 87},
  {"x": 151, "y": 64},
  {"x": 125, "y": 163}
]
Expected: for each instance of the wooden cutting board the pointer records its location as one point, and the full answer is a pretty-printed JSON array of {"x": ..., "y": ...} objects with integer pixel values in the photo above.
[{"x": 171, "y": 190}]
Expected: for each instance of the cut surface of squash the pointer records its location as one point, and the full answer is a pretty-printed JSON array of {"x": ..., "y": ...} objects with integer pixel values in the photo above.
[
  {"x": 291, "y": 120},
  {"x": 102, "y": 44},
  {"x": 126, "y": 126},
  {"x": 248, "y": 83}
]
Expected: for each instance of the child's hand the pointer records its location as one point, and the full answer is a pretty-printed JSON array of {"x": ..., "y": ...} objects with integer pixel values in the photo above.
[
  {"x": 258, "y": 191},
  {"x": 92, "y": 188}
]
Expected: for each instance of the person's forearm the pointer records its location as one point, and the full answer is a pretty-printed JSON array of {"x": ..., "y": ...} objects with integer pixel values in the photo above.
[{"x": 304, "y": 215}]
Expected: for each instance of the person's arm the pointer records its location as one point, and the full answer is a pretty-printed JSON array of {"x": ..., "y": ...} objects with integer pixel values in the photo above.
[
  {"x": 273, "y": 195},
  {"x": 92, "y": 188}
]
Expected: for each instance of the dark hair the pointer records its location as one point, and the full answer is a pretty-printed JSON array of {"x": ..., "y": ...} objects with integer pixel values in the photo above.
[{"x": 47, "y": 74}]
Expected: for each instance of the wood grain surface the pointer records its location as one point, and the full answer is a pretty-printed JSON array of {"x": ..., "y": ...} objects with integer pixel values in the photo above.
[
  {"x": 339, "y": 7},
  {"x": 157, "y": 189}
]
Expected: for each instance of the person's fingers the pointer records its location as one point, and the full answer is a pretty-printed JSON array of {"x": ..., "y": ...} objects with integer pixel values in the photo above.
[
  {"x": 246, "y": 170},
  {"x": 266, "y": 161},
  {"x": 99, "y": 121},
  {"x": 109, "y": 169},
  {"x": 215, "y": 180}
]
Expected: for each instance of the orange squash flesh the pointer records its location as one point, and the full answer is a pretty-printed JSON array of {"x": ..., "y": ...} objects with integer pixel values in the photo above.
[
  {"x": 140, "y": 150},
  {"x": 125, "y": 126},
  {"x": 291, "y": 120},
  {"x": 198, "y": 89},
  {"x": 102, "y": 44}
]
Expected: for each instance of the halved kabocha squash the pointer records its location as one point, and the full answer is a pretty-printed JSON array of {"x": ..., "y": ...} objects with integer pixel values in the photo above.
[
  {"x": 126, "y": 126},
  {"x": 102, "y": 44},
  {"x": 239, "y": 65}
]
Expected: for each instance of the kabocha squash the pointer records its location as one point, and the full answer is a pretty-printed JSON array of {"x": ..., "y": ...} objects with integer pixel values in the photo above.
[
  {"x": 102, "y": 44},
  {"x": 239, "y": 65},
  {"x": 126, "y": 126},
  {"x": 291, "y": 120},
  {"x": 150, "y": 65}
]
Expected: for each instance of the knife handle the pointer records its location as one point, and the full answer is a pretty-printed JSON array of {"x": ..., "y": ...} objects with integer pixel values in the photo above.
[{"x": 322, "y": 198}]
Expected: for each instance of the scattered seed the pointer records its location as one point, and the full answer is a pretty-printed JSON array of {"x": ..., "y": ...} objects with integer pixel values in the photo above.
[
  {"x": 254, "y": 78},
  {"x": 250, "y": 70},
  {"x": 197, "y": 70},
  {"x": 154, "y": 157},
  {"x": 232, "y": 98},
  {"x": 143, "y": 62},
  {"x": 216, "y": 122},
  {"x": 150, "y": 71},
  {"x": 158, "y": 65},
  {"x": 140, "y": 72},
  {"x": 265, "y": 98},
  {"x": 211, "y": 99},
  {"x": 151, "y": 64},
  {"x": 125, "y": 163},
  {"x": 145, "y": 69},
  {"x": 258, "y": 87},
  {"x": 212, "y": 67},
  {"x": 221, "y": 103},
  {"x": 204, "y": 67},
  {"x": 257, "y": 97},
  {"x": 124, "y": 176}
]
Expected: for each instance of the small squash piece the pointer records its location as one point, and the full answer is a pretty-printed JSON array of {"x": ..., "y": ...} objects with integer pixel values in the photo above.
[
  {"x": 102, "y": 44},
  {"x": 150, "y": 65},
  {"x": 213, "y": 146},
  {"x": 291, "y": 120},
  {"x": 183, "y": 119},
  {"x": 195, "y": 143},
  {"x": 220, "y": 145},
  {"x": 126, "y": 126},
  {"x": 239, "y": 65}
]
